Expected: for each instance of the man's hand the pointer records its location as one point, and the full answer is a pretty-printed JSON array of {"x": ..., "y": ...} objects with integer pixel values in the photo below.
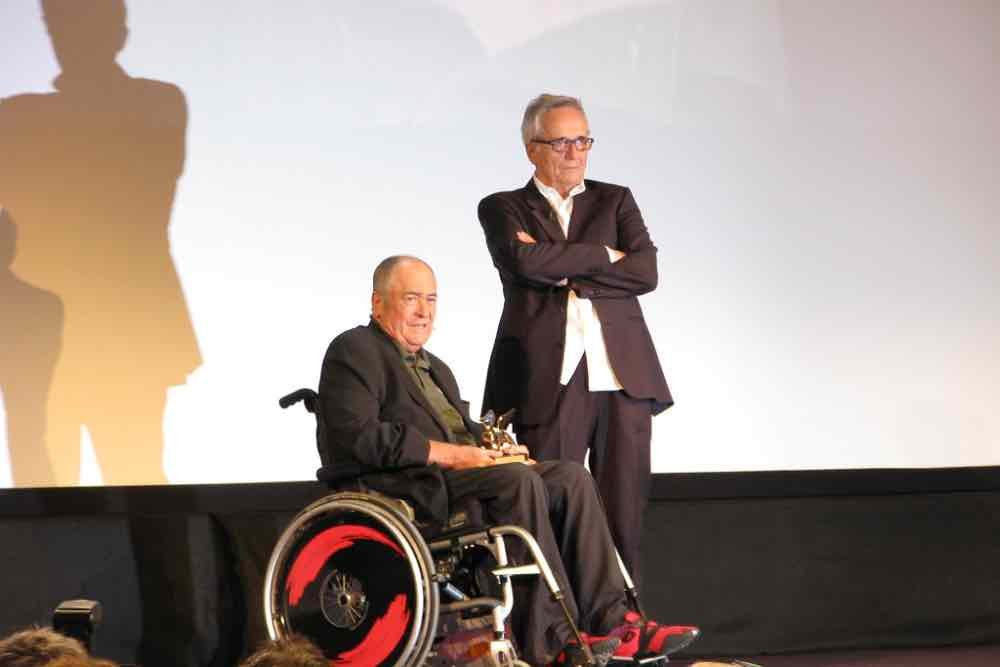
[
  {"x": 458, "y": 457},
  {"x": 614, "y": 254},
  {"x": 510, "y": 450},
  {"x": 525, "y": 237}
]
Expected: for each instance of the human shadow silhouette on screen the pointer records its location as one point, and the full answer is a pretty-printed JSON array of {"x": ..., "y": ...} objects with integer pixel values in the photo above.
[
  {"x": 89, "y": 173},
  {"x": 30, "y": 333}
]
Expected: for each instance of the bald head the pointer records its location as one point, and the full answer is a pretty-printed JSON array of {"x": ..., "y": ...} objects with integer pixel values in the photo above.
[
  {"x": 404, "y": 300},
  {"x": 385, "y": 269}
]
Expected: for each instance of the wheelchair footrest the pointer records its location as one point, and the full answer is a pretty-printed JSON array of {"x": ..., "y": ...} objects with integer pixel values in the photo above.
[
  {"x": 649, "y": 659},
  {"x": 517, "y": 570}
]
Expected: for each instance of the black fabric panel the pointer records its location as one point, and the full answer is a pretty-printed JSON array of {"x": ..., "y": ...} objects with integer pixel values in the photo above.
[
  {"x": 291, "y": 496},
  {"x": 47, "y": 561},
  {"x": 786, "y": 575},
  {"x": 164, "y": 499},
  {"x": 251, "y": 536},
  {"x": 804, "y": 483},
  {"x": 189, "y": 596},
  {"x": 952, "y": 656},
  {"x": 163, "y": 581},
  {"x": 179, "y": 570}
]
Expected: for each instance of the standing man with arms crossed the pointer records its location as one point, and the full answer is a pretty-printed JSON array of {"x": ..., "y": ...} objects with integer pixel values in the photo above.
[{"x": 572, "y": 350}]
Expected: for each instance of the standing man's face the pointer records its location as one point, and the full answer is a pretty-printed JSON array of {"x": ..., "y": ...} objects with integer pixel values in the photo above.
[
  {"x": 407, "y": 311},
  {"x": 562, "y": 171}
]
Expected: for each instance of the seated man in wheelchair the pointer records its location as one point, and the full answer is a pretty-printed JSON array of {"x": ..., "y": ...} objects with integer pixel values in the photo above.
[{"x": 386, "y": 404}]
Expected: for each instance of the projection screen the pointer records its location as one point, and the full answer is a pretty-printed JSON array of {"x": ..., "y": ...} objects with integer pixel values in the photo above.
[{"x": 185, "y": 233}]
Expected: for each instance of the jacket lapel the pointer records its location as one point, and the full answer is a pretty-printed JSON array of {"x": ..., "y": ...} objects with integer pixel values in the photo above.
[
  {"x": 399, "y": 366},
  {"x": 453, "y": 398},
  {"x": 542, "y": 212},
  {"x": 583, "y": 204}
]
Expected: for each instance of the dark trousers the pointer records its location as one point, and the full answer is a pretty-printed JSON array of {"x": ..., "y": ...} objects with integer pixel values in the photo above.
[
  {"x": 616, "y": 430},
  {"x": 557, "y": 503}
]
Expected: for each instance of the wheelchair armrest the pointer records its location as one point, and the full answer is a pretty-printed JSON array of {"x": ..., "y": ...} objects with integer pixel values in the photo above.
[{"x": 339, "y": 473}]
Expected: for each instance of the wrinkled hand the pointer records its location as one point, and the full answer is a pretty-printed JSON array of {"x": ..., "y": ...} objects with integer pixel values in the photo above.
[
  {"x": 525, "y": 237},
  {"x": 459, "y": 457},
  {"x": 509, "y": 450}
]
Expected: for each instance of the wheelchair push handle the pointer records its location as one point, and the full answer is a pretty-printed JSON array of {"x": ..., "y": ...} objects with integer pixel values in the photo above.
[{"x": 306, "y": 396}]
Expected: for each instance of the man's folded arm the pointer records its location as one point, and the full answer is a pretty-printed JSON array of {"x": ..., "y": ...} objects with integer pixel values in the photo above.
[
  {"x": 635, "y": 273},
  {"x": 592, "y": 270},
  {"x": 544, "y": 263}
]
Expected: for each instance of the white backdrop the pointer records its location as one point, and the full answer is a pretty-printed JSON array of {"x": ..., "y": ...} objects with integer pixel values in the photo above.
[{"x": 820, "y": 178}]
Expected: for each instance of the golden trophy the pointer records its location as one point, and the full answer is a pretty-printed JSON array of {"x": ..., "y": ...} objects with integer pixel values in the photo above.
[{"x": 496, "y": 438}]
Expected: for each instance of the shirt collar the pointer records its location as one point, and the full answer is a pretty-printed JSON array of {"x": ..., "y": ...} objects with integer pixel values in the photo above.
[
  {"x": 553, "y": 196},
  {"x": 416, "y": 359}
]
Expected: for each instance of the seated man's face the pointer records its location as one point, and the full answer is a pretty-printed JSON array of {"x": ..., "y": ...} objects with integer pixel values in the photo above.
[{"x": 407, "y": 311}]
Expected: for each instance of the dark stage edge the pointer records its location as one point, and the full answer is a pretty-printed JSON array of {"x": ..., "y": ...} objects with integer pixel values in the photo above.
[
  {"x": 263, "y": 496},
  {"x": 774, "y": 565},
  {"x": 959, "y": 656}
]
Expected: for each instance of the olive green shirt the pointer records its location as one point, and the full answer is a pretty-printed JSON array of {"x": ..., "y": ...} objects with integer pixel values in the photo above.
[{"x": 420, "y": 369}]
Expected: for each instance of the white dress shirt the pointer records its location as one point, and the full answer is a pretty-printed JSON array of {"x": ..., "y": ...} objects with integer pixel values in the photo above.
[{"x": 584, "y": 334}]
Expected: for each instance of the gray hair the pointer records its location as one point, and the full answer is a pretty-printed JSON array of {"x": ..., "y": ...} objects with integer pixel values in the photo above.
[
  {"x": 531, "y": 124},
  {"x": 385, "y": 268}
]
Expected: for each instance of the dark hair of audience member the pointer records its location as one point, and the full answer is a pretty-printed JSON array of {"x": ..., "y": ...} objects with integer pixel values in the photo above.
[{"x": 295, "y": 651}]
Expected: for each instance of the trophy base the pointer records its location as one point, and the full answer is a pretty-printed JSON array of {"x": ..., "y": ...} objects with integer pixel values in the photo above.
[{"x": 511, "y": 458}]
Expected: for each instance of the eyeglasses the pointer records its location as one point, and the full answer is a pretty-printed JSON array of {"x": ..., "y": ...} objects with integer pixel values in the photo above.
[{"x": 562, "y": 143}]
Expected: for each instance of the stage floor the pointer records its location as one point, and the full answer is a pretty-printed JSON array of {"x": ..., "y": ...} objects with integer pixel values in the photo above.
[{"x": 962, "y": 656}]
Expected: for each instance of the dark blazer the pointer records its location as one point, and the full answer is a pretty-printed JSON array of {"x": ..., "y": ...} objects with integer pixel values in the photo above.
[
  {"x": 372, "y": 414},
  {"x": 527, "y": 354}
]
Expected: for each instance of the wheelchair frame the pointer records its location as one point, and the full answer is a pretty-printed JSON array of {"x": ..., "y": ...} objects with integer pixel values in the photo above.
[{"x": 346, "y": 525}]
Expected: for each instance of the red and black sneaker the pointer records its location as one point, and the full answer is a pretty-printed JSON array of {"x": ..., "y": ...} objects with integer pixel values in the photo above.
[{"x": 642, "y": 638}]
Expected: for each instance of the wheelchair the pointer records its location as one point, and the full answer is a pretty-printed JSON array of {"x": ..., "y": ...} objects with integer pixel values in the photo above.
[{"x": 359, "y": 576}]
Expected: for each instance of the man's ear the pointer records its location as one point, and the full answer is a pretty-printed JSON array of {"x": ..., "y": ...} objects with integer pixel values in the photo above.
[{"x": 376, "y": 304}]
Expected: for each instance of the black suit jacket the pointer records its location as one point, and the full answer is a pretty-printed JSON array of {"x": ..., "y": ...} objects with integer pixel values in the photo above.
[
  {"x": 372, "y": 415},
  {"x": 527, "y": 354}
]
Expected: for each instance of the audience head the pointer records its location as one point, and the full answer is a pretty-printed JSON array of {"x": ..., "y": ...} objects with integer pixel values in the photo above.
[
  {"x": 36, "y": 647},
  {"x": 294, "y": 651},
  {"x": 80, "y": 662}
]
